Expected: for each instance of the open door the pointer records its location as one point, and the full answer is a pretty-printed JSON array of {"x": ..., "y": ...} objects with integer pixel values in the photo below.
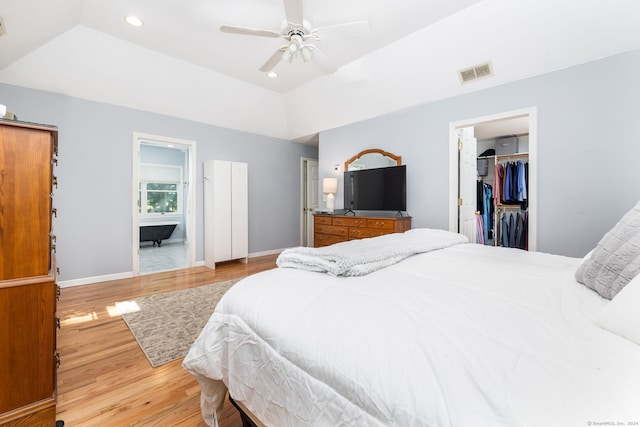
[
  {"x": 309, "y": 197},
  {"x": 467, "y": 193}
]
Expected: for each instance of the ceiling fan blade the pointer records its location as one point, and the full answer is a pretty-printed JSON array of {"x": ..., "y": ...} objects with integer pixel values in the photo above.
[
  {"x": 248, "y": 31},
  {"x": 323, "y": 62},
  {"x": 272, "y": 62},
  {"x": 349, "y": 29},
  {"x": 293, "y": 11}
]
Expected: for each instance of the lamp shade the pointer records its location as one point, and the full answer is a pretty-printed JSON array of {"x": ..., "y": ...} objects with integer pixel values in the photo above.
[{"x": 329, "y": 185}]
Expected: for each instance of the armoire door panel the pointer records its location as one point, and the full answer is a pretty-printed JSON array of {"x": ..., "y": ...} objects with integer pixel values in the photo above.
[
  {"x": 25, "y": 205},
  {"x": 239, "y": 211}
]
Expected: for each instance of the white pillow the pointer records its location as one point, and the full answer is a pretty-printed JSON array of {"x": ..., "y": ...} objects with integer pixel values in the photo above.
[
  {"x": 622, "y": 315},
  {"x": 616, "y": 258}
]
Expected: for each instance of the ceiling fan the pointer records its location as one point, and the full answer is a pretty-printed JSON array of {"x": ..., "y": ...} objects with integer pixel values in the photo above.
[{"x": 297, "y": 32}]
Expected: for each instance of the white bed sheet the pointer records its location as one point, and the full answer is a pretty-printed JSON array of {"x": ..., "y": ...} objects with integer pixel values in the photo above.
[{"x": 464, "y": 336}]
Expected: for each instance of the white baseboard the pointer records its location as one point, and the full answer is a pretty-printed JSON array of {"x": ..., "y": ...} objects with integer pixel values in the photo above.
[
  {"x": 271, "y": 252},
  {"x": 94, "y": 279},
  {"x": 128, "y": 275}
]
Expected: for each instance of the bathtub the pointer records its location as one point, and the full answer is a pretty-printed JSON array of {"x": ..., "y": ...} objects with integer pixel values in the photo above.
[{"x": 156, "y": 232}]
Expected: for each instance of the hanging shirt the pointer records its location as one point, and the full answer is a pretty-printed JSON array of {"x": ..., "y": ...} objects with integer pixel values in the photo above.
[
  {"x": 522, "y": 182},
  {"x": 507, "y": 183},
  {"x": 512, "y": 234},
  {"x": 479, "y": 230},
  {"x": 487, "y": 215},
  {"x": 505, "y": 231},
  {"x": 498, "y": 172}
]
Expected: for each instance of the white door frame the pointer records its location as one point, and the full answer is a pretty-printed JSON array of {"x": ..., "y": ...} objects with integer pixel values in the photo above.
[
  {"x": 138, "y": 139},
  {"x": 532, "y": 113}
]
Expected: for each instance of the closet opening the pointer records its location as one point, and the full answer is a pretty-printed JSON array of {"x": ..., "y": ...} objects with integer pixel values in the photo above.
[{"x": 492, "y": 182}]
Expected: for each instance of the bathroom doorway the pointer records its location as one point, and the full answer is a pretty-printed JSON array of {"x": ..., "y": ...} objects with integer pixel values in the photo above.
[{"x": 163, "y": 197}]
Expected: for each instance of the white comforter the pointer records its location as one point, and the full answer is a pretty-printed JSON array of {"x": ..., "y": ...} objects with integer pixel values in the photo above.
[{"x": 464, "y": 336}]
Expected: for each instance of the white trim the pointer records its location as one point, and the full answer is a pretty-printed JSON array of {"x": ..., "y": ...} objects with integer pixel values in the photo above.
[
  {"x": 94, "y": 279},
  {"x": 129, "y": 275},
  {"x": 139, "y": 138},
  {"x": 271, "y": 252},
  {"x": 532, "y": 112}
]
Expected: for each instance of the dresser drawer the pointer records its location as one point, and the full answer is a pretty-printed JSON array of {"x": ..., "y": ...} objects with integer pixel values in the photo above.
[
  {"x": 322, "y": 220},
  {"x": 350, "y": 222},
  {"x": 363, "y": 233},
  {"x": 386, "y": 224},
  {"x": 334, "y": 230},
  {"x": 330, "y": 229},
  {"x": 327, "y": 239}
]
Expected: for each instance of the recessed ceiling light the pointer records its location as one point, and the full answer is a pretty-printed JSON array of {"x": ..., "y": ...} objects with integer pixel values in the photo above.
[
  {"x": 272, "y": 74},
  {"x": 133, "y": 20}
]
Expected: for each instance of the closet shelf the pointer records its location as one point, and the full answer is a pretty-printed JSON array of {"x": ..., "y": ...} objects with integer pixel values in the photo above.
[
  {"x": 506, "y": 156},
  {"x": 508, "y": 207}
]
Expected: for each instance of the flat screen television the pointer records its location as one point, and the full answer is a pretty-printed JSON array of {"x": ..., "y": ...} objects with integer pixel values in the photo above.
[{"x": 379, "y": 189}]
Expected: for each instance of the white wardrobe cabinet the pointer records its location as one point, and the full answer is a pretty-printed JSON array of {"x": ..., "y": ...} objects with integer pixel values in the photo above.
[{"x": 226, "y": 216}]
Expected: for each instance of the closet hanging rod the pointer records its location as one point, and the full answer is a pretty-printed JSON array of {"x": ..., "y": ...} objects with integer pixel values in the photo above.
[
  {"x": 509, "y": 207},
  {"x": 511, "y": 156}
]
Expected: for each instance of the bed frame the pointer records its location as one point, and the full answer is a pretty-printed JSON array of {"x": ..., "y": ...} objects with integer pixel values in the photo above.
[{"x": 248, "y": 419}]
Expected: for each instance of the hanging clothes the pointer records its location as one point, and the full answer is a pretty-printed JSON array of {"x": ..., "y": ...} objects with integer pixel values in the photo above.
[
  {"x": 521, "y": 183},
  {"x": 487, "y": 215},
  {"x": 512, "y": 234},
  {"x": 506, "y": 196},
  {"x": 479, "y": 230},
  {"x": 504, "y": 231},
  {"x": 498, "y": 182}
]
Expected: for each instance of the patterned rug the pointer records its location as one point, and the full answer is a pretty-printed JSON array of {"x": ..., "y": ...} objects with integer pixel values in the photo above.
[{"x": 165, "y": 325}]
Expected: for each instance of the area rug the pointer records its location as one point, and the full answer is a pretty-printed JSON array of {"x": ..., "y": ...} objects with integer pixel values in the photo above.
[{"x": 165, "y": 325}]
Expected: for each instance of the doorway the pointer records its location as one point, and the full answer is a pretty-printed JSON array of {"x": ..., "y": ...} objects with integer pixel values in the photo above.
[
  {"x": 309, "y": 187},
  {"x": 462, "y": 166},
  {"x": 163, "y": 215}
]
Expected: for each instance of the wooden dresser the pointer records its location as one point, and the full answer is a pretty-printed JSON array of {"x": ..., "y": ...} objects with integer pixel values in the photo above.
[
  {"x": 28, "y": 290},
  {"x": 330, "y": 229}
]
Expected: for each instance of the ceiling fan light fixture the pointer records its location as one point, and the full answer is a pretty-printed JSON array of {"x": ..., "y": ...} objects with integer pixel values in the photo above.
[
  {"x": 306, "y": 52},
  {"x": 272, "y": 74},
  {"x": 287, "y": 56}
]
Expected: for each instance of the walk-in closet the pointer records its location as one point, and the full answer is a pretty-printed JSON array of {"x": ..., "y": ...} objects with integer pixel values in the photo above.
[{"x": 502, "y": 214}]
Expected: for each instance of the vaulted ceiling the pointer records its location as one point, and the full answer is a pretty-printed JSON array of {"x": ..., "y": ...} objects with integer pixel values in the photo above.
[{"x": 180, "y": 63}]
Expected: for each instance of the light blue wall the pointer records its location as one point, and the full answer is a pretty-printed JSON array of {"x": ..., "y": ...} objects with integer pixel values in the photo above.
[
  {"x": 93, "y": 228},
  {"x": 588, "y": 148}
]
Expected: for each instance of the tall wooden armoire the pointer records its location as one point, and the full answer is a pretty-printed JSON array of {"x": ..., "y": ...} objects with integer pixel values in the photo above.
[{"x": 28, "y": 289}]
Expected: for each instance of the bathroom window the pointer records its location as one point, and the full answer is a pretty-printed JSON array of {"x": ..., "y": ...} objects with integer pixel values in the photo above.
[
  {"x": 160, "y": 190},
  {"x": 159, "y": 197}
]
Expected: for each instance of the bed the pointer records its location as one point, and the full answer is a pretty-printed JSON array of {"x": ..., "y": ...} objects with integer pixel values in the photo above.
[{"x": 457, "y": 334}]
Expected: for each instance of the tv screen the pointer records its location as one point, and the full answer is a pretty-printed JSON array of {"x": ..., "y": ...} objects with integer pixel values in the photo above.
[{"x": 380, "y": 189}]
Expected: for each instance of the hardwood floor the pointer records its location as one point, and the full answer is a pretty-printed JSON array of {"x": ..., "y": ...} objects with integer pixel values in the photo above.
[{"x": 104, "y": 378}]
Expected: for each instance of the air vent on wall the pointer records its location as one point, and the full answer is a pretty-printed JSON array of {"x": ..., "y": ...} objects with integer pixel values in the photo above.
[
  {"x": 3, "y": 29},
  {"x": 476, "y": 72}
]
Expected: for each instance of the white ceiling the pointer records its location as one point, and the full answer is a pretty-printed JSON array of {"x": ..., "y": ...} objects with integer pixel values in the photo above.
[{"x": 180, "y": 64}]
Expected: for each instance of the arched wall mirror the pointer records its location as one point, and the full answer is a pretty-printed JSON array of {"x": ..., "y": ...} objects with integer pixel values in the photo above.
[{"x": 372, "y": 158}]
